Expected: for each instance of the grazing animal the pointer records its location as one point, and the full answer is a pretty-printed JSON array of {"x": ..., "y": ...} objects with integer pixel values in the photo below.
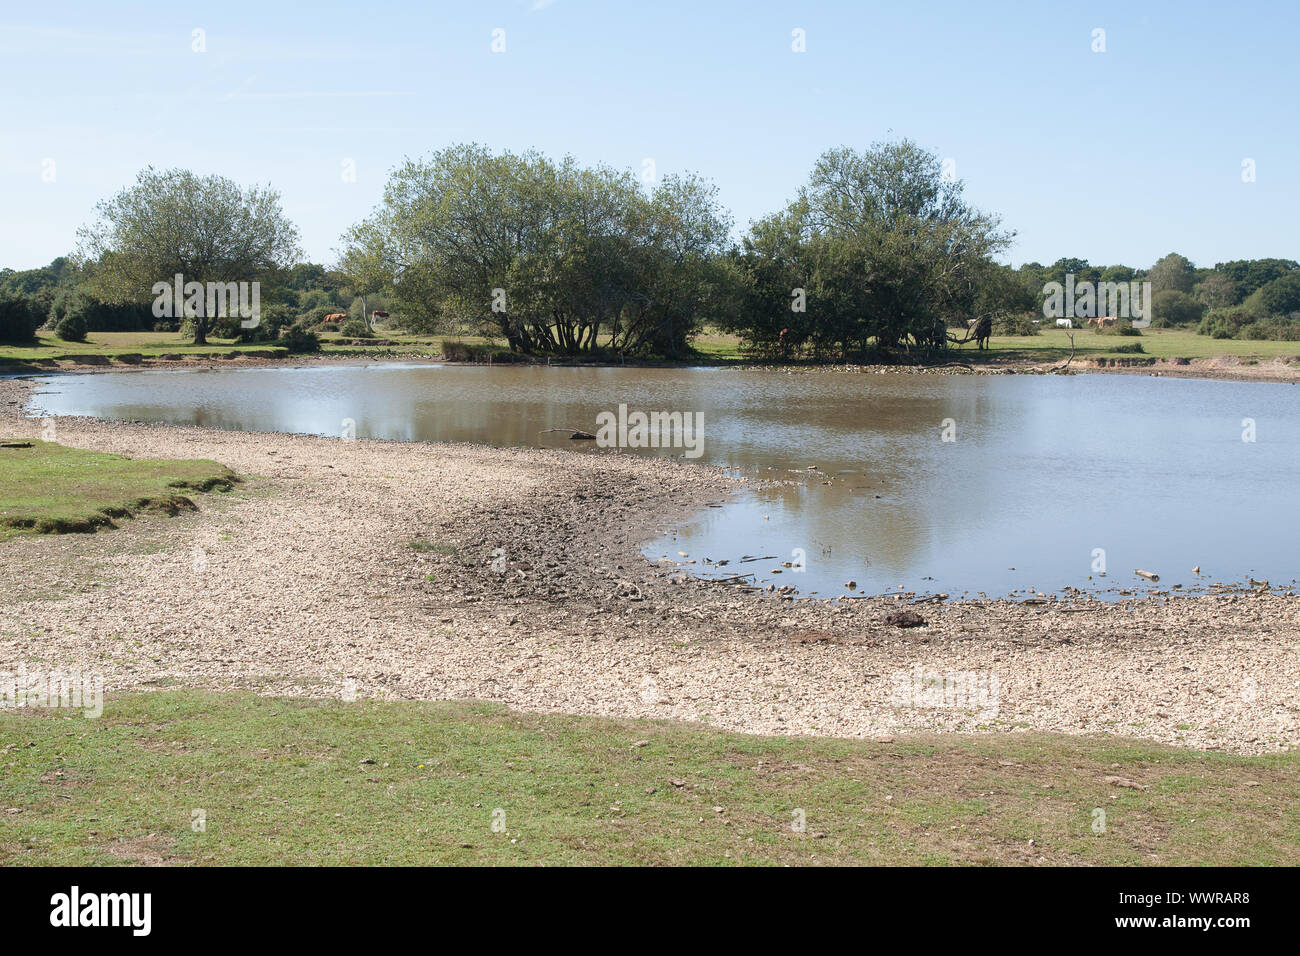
[
  {"x": 379, "y": 314},
  {"x": 1064, "y": 324},
  {"x": 981, "y": 331},
  {"x": 336, "y": 317},
  {"x": 1106, "y": 322}
]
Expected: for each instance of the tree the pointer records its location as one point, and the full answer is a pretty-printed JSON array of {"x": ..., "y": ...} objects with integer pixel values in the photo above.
[
  {"x": 1248, "y": 275},
  {"x": 880, "y": 245},
  {"x": 20, "y": 317},
  {"x": 206, "y": 229},
  {"x": 1171, "y": 307},
  {"x": 1217, "y": 290},
  {"x": 1172, "y": 272},
  {"x": 548, "y": 255},
  {"x": 363, "y": 265},
  {"x": 1281, "y": 296}
]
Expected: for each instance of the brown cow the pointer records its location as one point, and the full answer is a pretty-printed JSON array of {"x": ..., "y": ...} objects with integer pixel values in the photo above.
[
  {"x": 379, "y": 314},
  {"x": 336, "y": 317}
]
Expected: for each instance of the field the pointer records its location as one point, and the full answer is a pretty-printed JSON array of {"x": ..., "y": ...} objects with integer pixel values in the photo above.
[
  {"x": 47, "y": 488},
  {"x": 291, "y": 781},
  {"x": 1052, "y": 345}
]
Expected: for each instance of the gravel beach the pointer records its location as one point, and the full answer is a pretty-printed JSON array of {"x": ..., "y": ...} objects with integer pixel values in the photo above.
[{"x": 433, "y": 571}]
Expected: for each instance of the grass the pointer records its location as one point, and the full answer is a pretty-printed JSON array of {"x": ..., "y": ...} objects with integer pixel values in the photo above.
[
  {"x": 47, "y": 488},
  {"x": 106, "y": 347},
  {"x": 1052, "y": 345},
  {"x": 293, "y": 781}
]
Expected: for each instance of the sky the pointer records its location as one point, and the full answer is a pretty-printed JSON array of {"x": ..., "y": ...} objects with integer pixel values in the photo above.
[{"x": 1118, "y": 155}]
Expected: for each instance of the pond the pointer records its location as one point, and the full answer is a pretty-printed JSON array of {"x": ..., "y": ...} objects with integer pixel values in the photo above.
[{"x": 954, "y": 484}]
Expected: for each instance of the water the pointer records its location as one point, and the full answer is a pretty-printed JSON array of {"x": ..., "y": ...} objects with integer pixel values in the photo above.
[{"x": 1042, "y": 471}]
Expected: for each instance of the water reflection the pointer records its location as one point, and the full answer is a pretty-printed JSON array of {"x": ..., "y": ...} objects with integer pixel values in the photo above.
[{"x": 1042, "y": 471}]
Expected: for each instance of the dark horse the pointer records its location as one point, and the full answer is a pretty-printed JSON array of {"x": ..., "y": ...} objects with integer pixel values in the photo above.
[{"x": 980, "y": 330}]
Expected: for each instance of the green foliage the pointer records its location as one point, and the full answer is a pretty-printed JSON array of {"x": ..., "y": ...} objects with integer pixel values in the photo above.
[
  {"x": 1281, "y": 296},
  {"x": 1225, "y": 323},
  {"x": 72, "y": 327},
  {"x": 879, "y": 248},
  {"x": 299, "y": 338},
  {"x": 1248, "y": 275},
  {"x": 574, "y": 252},
  {"x": 1015, "y": 324},
  {"x": 20, "y": 317},
  {"x": 356, "y": 329},
  {"x": 1174, "y": 308},
  {"x": 1173, "y": 272},
  {"x": 1274, "y": 328},
  {"x": 206, "y": 229}
]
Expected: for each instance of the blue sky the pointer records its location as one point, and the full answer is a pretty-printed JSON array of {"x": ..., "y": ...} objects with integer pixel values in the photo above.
[{"x": 1119, "y": 156}]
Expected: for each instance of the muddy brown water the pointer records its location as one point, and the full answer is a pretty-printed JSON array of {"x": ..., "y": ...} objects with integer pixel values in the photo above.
[{"x": 1044, "y": 479}]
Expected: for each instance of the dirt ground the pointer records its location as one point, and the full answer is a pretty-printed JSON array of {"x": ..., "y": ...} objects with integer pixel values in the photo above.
[{"x": 433, "y": 571}]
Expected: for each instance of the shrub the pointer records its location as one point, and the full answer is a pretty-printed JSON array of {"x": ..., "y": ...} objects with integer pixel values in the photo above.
[
  {"x": 356, "y": 329},
  {"x": 1171, "y": 307},
  {"x": 20, "y": 317},
  {"x": 1133, "y": 348},
  {"x": 1121, "y": 327},
  {"x": 1282, "y": 295},
  {"x": 1014, "y": 324},
  {"x": 70, "y": 322},
  {"x": 1225, "y": 323},
  {"x": 300, "y": 338},
  {"x": 1275, "y": 329}
]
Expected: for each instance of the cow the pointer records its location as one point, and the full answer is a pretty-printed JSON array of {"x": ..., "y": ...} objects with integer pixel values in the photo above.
[
  {"x": 336, "y": 317},
  {"x": 379, "y": 314}
]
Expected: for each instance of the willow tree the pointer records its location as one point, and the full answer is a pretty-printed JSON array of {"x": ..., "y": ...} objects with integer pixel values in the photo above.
[
  {"x": 552, "y": 256},
  {"x": 204, "y": 228},
  {"x": 878, "y": 247}
]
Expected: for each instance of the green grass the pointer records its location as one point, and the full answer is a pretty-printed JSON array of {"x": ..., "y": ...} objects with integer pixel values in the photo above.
[
  {"x": 1052, "y": 345},
  {"x": 292, "y": 781},
  {"x": 48, "y": 488},
  {"x": 106, "y": 347}
]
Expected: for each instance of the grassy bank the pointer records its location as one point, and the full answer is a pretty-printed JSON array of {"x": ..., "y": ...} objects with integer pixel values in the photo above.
[
  {"x": 295, "y": 781},
  {"x": 1052, "y": 345},
  {"x": 47, "y": 488}
]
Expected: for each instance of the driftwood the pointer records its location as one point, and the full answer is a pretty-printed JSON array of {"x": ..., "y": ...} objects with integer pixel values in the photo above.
[
  {"x": 15, "y": 444},
  {"x": 1066, "y": 364},
  {"x": 577, "y": 433}
]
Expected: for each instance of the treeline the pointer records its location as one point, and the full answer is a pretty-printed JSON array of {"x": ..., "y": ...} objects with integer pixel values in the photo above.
[
  {"x": 1246, "y": 298},
  {"x": 877, "y": 252},
  {"x": 63, "y": 298}
]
